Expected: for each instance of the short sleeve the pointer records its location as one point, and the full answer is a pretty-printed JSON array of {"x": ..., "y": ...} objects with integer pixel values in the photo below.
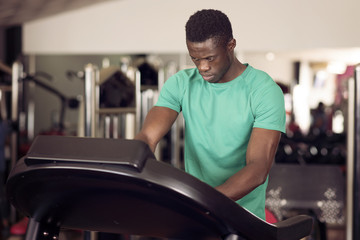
[
  {"x": 269, "y": 107},
  {"x": 170, "y": 96}
]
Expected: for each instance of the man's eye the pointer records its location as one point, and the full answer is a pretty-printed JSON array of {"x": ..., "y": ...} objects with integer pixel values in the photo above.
[
  {"x": 210, "y": 59},
  {"x": 195, "y": 59}
]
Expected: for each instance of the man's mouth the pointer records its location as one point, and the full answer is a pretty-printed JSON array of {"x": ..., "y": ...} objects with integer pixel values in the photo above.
[{"x": 207, "y": 77}]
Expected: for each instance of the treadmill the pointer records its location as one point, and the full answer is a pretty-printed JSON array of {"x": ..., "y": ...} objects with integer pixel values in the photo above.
[{"x": 117, "y": 186}]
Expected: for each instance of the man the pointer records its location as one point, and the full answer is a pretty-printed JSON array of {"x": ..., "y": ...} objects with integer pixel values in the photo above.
[{"x": 234, "y": 114}]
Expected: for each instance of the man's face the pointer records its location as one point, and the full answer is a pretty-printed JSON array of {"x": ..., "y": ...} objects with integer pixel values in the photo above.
[{"x": 211, "y": 59}]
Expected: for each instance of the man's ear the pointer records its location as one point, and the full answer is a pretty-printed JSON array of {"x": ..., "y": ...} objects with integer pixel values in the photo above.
[{"x": 232, "y": 44}]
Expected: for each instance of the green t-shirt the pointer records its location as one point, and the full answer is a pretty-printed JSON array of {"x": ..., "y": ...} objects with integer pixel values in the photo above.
[{"x": 219, "y": 118}]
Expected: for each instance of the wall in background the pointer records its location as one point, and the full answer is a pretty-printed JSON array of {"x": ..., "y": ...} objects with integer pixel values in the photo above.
[
  {"x": 293, "y": 31},
  {"x": 157, "y": 26}
]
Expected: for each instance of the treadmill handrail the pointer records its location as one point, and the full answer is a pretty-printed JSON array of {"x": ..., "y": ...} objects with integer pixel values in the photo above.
[{"x": 57, "y": 181}]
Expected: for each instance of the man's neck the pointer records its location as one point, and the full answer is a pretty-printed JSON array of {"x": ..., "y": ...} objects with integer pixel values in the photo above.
[
  {"x": 236, "y": 69},
  {"x": 240, "y": 67}
]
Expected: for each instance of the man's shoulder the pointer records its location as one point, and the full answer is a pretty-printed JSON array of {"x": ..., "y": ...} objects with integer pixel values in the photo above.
[
  {"x": 256, "y": 78},
  {"x": 186, "y": 74},
  {"x": 183, "y": 77},
  {"x": 257, "y": 74}
]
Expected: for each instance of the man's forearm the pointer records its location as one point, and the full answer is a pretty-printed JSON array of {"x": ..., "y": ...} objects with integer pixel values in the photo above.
[{"x": 243, "y": 182}]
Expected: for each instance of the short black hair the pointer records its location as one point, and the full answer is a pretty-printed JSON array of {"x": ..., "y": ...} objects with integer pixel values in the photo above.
[{"x": 208, "y": 23}]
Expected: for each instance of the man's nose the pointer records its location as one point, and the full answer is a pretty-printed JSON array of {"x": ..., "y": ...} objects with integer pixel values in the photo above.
[{"x": 203, "y": 66}]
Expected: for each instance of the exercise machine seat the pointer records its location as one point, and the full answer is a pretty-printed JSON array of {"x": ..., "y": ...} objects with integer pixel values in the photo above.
[{"x": 118, "y": 186}]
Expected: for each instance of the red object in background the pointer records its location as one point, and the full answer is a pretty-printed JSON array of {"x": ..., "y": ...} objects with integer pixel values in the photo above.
[
  {"x": 270, "y": 217},
  {"x": 19, "y": 228}
]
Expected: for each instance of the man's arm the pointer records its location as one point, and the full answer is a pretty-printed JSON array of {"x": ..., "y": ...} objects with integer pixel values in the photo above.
[
  {"x": 259, "y": 159},
  {"x": 157, "y": 123}
]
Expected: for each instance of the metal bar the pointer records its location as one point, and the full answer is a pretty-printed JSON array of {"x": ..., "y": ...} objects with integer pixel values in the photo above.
[
  {"x": 96, "y": 119},
  {"x": 130, "y": 121},
  {"x": 350, "y": 161},
  {"x": 91, "y": 73},
  {"x": 30, "y": 101},
  {"x": 17, "y": 72},
  {"x": 107, "y": 127},
  {"x": 115, "y": 125},
  {"x": 161, "y": 78},
  {"x": 356, "y": 199},
  {"x": 33, "y": 232},
  {"x": 116, "y": 110},
  {"x": 138, "y": 101},
  {"x": 133, "y": 121},
  {"x": 31, "y": 112},
  {"x": 3, "y": 110}
]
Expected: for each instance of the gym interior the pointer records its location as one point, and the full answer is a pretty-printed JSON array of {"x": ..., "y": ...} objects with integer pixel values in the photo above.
[{"x": 91, "y": 68}]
